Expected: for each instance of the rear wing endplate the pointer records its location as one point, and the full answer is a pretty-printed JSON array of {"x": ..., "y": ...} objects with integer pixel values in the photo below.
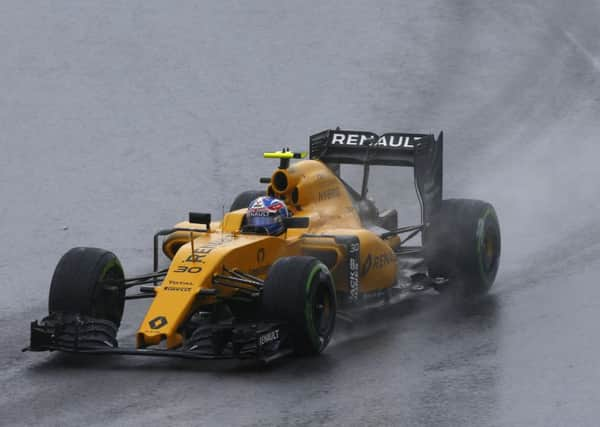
[{"x": 423, "y": 152}]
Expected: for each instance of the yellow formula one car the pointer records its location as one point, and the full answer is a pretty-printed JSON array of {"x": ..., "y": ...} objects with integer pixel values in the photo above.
[{"x": 273, "y": 275}]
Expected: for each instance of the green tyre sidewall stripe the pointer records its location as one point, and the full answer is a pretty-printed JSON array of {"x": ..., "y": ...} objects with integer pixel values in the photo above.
[
  {"x": 308, "y": 307},
  {"x": 109, "y": 266}
]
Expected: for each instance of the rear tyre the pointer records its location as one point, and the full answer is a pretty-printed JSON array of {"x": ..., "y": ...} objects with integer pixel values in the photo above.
[
  {"x": 244, "y": 198},
  {"x": 88, "y": 281},
  {"x": 463, "y": 246},
  {"x": 300, "y": 291}
]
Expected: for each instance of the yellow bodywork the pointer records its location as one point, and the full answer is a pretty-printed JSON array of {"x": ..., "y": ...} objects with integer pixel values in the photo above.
[{"x": 310, "y": 189}]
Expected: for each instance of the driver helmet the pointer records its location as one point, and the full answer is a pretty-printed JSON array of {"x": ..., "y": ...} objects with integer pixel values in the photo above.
[{"x": 267, "y": 213}]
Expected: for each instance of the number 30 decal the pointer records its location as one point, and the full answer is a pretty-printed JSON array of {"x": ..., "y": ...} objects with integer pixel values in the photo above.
[{"x": 184, "y": 269}]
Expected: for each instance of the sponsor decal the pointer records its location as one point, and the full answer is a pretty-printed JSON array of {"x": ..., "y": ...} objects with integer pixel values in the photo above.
[
  {"x": 388, "y": 140},
  {"x": 377, "y": 262},
  {"x": 330, "y": 193},
  {"x": 178, "y": 282},
  {"x": 202, "y": 251},
  {"x": 381, "y": 260},
  {"x": 268, "y": 337},
  {"x": 178, "y": 288},
  {"x": 259, "y": 212},
  {"x": 353, "y": 267},
  {"x": 158, "y": 322}
]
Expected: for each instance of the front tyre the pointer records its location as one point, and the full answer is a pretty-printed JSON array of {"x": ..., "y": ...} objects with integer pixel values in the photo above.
[
  {"x": 300, "y": 291},
  {"x": 88, "y": 281},
  {"x": 463, "y": 246}
]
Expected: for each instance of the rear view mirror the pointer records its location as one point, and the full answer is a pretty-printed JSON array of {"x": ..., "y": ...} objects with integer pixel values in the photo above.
[
  {"x": 200, "y": 218},
  {"x": 296, "y": 222}
]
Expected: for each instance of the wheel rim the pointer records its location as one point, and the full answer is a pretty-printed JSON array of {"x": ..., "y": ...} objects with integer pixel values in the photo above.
[
  {"x": 108, "y": 303},
  {"x": 323, "y": 310},
  {"x": 489, "y": 249}
]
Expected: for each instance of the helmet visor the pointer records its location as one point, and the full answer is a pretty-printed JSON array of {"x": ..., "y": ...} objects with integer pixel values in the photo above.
[{"x": 263, "y": 221}]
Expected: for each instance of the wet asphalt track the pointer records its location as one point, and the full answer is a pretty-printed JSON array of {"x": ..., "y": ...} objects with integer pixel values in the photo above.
[{"x": 117, "y": 118}]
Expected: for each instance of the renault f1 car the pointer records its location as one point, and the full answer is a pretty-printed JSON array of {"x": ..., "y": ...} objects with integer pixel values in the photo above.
[{"x": 232, "y": 291}]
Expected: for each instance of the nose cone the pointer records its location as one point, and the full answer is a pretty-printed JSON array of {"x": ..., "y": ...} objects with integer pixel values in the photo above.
[{"x": 166, "y": 314}]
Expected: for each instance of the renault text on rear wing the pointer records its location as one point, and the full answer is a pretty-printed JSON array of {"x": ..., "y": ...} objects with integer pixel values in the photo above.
[
  {"x": 388, "y": 140},
  {"x": 423, "y": 152}
]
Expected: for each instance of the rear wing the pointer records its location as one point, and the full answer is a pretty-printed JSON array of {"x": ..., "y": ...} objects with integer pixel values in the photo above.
[{"x": 423, "y": 152}]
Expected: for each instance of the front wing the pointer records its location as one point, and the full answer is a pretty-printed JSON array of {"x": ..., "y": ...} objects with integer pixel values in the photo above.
[{"x": 262, "y": 341}]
